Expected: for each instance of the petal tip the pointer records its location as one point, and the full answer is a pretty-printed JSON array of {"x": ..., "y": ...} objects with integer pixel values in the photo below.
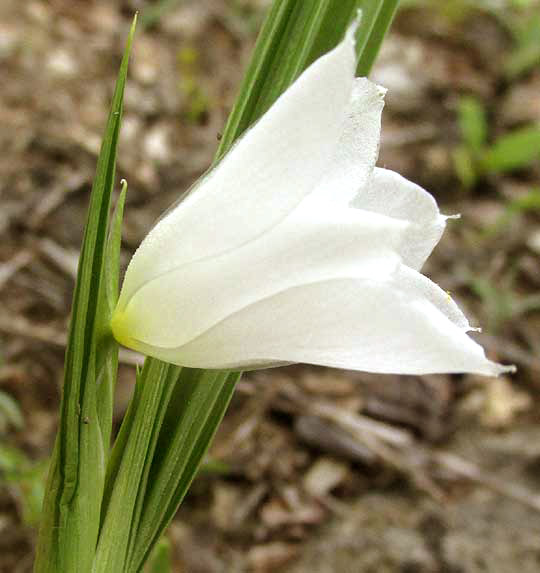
[
  {"x": 507, "y": 368},
  {"x": 497, "y": 369}
]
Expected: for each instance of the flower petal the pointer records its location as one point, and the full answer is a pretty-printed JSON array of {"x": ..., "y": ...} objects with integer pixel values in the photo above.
[
  {"x": 390, "y": 194},
  {"x": 312, "y": 244},
  {"x": 266, "y": 174},
  {"x": 403, "y": 324},
  {"x": 358, "y": 148}
]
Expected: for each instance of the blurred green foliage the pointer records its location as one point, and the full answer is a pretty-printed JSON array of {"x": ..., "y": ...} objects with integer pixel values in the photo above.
[
  {"x": 23, "y": 478},
  {"x": 454, "y": 10},
  {"x": 502, "y": 301},
  {"x": 529, "y": 202},
  {"x": 472, "y": 122},
  {"x": 25, "y": 481},
  {"x": 153, "y": 13},
  {"x": 160, "y": 559},
  {"x": 475, "y": 157},
  {"x": 10, "y": 413},
  {"x": 513, "y": 150},
  {"x": 524, "y": 26},
  {"x": 196, "y": 101}
]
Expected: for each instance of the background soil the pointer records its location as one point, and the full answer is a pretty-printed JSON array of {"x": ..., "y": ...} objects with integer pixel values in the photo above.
[{"x": 313, "y": 469}]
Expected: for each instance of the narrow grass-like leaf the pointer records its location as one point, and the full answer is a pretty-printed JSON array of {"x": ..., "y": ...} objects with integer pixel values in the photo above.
[
  {"x": 70, "y": 521},
  {"x": 107, "y": 354},
  {"x": 377, "y": 16},
  {"x": 193, "y": 415},
  {"x": 160, "y": 560},
  {"x": 120, "y": 444},
  {"x": 120, "y": 511}
]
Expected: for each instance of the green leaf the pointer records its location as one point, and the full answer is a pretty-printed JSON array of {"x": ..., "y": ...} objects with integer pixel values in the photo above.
[
  {"x": 472, "y": 123},
  {"x": 71, "y": 512},
  {"x": 10, "y": 412},
  {"x": 160, "y": 560},
  {"x": 525, "y": 27},
  {"x": 193, "y": 416},
  {"x": 25, "y": 480},
  {"x": 464, "y": 166},
  {"x": 107, "y": 352},
  {"x": 377, "y": 16},
  {"x": 529, "y": 202},
  {"x": 513, "y": 151},
  {"x": 126, "y": 485}
]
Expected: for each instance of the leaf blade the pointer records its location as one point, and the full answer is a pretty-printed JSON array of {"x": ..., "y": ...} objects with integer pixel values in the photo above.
[{"x": 70, "y": 518}]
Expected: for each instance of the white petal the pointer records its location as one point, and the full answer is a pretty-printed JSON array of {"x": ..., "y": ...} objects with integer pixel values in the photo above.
[
  {"x": 404, "y": 325},
  {"x": 390, "y": 194},
  {"x": 266, "y": 174},
  {"x": 358, "y": 148},
  {"x": 312, "y": 244}
]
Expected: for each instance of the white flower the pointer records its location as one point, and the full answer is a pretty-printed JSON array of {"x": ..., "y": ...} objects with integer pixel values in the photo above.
[{"x": 296, "y": 248}]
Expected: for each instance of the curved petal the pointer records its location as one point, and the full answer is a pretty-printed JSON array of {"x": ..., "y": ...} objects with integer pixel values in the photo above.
[
  {"x": 358, "y": 147},
  {"x": 266, "y": 174},
  {"x": 403, "y": 324},
  {"x": 390, "y": 194},
  {"x": 312, "y": 244}
]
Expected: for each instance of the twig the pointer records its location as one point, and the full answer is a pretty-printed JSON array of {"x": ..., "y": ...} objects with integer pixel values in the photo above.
[
  {"x": 66, "y": 260},
  {"x": 399, "y": 449},
  {"x": 466, "y": 469},
  {"x": 54, "y": 198},
  {"x": 11, "y": 267}
]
